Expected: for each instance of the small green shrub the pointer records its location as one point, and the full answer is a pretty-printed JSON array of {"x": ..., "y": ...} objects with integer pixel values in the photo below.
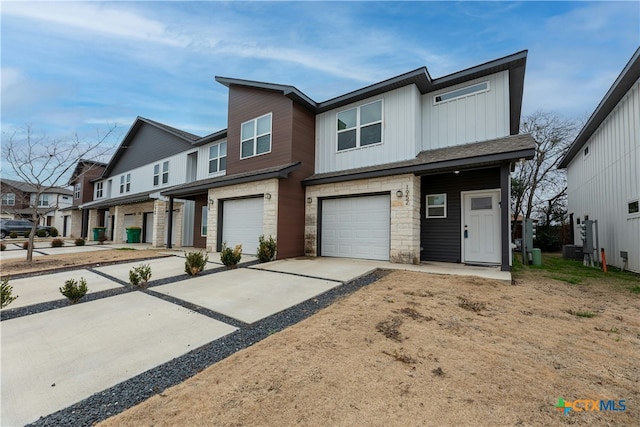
[
  {"x": 586, "y": 314},
  {"x": 266, "y": 249},
  {"x": 57, "y": 243},
  {"x": 230, "y": 257},
  {"x": 635, "y": 289},
  {"x": 3, "y": 247},
  {"x": 79, "y": 241},
  {"x": 6, "y": 291},
  {"x": 27, "y": 234},
  {"x": 25, "y": 245},
  {"x": 54, "y": 232},
  {"x": 74, "y": 290},
  {"x": 41, "y": 233},
  {"x": 140, "y": 275},
  {"x": 195, "y": 262},
  {"x": 13, "y": 235}
]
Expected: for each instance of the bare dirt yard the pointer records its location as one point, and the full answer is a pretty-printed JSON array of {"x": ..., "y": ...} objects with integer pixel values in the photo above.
[
  {"x": 421, "y": 349},
  {"x": 55, "y": 262}
]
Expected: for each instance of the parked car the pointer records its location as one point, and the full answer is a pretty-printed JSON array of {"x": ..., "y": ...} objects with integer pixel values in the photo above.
[{"x": 19, "y": 226}]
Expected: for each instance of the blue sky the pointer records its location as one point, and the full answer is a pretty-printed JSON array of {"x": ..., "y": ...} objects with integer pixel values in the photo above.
[{"x": 79, "y": 66}]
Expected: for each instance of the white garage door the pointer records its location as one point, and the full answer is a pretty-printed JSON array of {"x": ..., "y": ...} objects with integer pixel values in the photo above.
[
  {"x": 356, "y": 227},
  {"x": 242, "y": 223}
]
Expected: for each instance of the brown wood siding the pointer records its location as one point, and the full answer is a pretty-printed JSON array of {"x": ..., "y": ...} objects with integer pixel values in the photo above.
[
  {"x": 198, "y": 240},
  {"x": 86, "y": 191},
  {"x": 440, "y": 237},
  {"x": 246, "y": 104},
  {"x": 291, "y": 193}
]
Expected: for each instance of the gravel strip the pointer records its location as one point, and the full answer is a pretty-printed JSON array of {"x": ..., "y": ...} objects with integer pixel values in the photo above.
[{"x": 120, "y": 397}]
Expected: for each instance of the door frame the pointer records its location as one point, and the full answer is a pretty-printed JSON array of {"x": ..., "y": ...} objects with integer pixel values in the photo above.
[{"x": 463, "y": 194}]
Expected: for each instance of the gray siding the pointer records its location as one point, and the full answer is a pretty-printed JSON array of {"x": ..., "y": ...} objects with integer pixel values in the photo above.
[
  {"x": 440, "y": 237},
  {"x": 148, "y": 145}
]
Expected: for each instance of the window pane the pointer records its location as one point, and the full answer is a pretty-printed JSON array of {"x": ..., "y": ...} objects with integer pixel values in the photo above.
[
  {"x": 247, "y": 148},
  {"x": 437, "y": 200},
  {"x": 633, "y": 207},
  {"x": 213, "y": 151},
  {"x": 433, "y": 212},
  {"x": 165, "y": 167},
  {"x": 165, "y": 178},
  {"x": 478, "y": 203},
  {"x": 264, "y": 144},
  {"x": 156, "y": 169},
  {"x": 347, "y": 119},
  {"x": 371, "y": 113},
  {"x": 247, "y": 131},
  {"x": 223, "y": 148},
  {"x": 155, "y": 180},
  {"x": 347, "y": 139},
  {"x": 371, "y": 134},
  {"x": 223, "y": 163},
  {"x": 264, "y": 125},
  {"x": 213, "y": 166}
]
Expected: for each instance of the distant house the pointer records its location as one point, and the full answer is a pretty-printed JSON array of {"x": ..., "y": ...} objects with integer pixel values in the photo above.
[
  {"x": 75, "y": 221},
  {"x": 18, "y": 201},
  {"x": 603, "y": 170},
  {"x": 409, "y": 169}
]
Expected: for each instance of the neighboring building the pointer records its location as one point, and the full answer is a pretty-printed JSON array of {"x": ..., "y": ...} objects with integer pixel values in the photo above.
[
  {"x": 75, "y": 221},
  {"x": 409, "y": 169},
  {"x": 603, "y": 170},
  {"x": 19, "y": 200}
]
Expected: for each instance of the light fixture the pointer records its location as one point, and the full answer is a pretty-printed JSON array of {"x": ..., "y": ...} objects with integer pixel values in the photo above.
[
  {"x": 211, "y": 201},
  {"x": 399, "y": 193},
  {"x": 456, "y": 172},
  {"x": 267, "y": 196},
  {"x": 309, "y": 200}
]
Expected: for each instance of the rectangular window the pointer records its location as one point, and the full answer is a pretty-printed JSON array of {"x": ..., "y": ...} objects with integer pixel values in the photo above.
[
  {"x": 462, "y": 92},
  {"x": 128, "y": 186},
  {"x": 9, "y": 199},
  {"x": 436, "y": 206},
  {"x": 218, "y": 157},
  {"x": 255, "y": 137},
  {"x": 165, "y": 172},
  {"x": 633, "y": 208},
  {"x": 360, "y": 126},
  {"x": 481, "y": 203},
  {"x": 203, "y": 226},
  {"x": 125, "y": 183},
  {"x": 585, "y": 152},
  {"x": 99, "y": 190},
  {"x": 43, "y": 200},
  {"x": 156, "y": 174},
  {"x": 76, "y": 192}
]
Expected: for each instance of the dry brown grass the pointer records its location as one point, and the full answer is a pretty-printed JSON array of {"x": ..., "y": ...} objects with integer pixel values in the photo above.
[{"x": 494, "y": 354}]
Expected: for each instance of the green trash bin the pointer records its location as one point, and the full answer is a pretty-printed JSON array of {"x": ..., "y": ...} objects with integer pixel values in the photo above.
[
  {"x": 133, "y": 234},
  {"x": 536, "y": 256},
  {"x": 97, "y": 231}
]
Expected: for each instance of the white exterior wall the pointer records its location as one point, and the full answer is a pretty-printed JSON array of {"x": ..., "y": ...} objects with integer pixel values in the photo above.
[
  {"x": 602, "y": 183},
  {"x": 401, "y": 114},
  {"x": 473, "y": 118}
]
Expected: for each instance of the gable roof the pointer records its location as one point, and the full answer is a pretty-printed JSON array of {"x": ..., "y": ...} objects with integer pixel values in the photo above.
[
  {"x": 81, "y": 163},
  {"x": 627, "y": 78},
  {"x": 515, "y": 63},
  {"x": 26, "y": 187},
  {"x": 187, "y": 137}
]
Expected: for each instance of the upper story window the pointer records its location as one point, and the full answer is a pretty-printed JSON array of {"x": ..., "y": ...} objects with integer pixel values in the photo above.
[
  {"x": 157, "y": 175},
  {"x": 9, "y": 199},
  {"x": 125, "y": 183},
  {"x": 585, "y": 152},
  {"x": 76, "y": 191},
  {"x": 255, "y": 137},
  {"x": 462, "y": 92},
  {"x": 360, "y": 126},
  {"x": 99, "y": 190},
  {"x": 43, "y": 200},
  {"x": 436, "y": 206},
  {"x": 633, "y": 208},
  {"x": 218, "y": 157}
]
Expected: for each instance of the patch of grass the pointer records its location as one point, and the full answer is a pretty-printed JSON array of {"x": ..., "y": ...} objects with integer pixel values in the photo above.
[
  {"x": 635, "y": 289},
  {"x": 414, "y": 314},
  {"x": 571, "y": 280},
  {"x": 587, "y": 314},
  {"x": 474, "y": 306},
  {"x": 389, "y": 328},
  {"x": 125, "y": 249},
  {"x": 401, "y": 357}
]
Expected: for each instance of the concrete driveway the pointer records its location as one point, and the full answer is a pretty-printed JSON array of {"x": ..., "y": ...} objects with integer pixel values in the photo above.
[{"x": 60, "y": 356}]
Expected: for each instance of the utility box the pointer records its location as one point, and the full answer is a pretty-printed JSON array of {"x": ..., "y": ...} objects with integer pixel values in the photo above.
[
  {"x": 572, "y": 252},
  {"x": 529, "y": 234},
  {"x": 586, "y": 234}
]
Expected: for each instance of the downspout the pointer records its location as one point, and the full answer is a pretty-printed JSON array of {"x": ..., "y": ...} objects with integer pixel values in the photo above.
[
  {"x": 505, "y": 208},
  {"x": 170, "y": 223}
]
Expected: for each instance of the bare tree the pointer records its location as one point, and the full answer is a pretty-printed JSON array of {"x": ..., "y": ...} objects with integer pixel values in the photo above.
[
  {"x": 44, "y": 164},
  {"x": 537, "y": 181}
]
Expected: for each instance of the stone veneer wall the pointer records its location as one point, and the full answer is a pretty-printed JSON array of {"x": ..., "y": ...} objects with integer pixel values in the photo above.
[
  {"x": 405, "y": 212},
  {"x": 270, "y": 217},
  {"x": 75, "y": 224}
]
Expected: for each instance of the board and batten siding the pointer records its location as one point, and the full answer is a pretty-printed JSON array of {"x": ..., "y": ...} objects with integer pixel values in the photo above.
[
  {"x": 602, "y": 183},
  {"x": 473, "y": 118},
  {"x": 401, "y": 114}
]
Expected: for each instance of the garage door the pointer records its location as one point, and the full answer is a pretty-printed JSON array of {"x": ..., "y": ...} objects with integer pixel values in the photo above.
[
  {"x": 242, "y": 223},
  {"x": 356, "y": 227},
  {"x": 129, "y": 221}
]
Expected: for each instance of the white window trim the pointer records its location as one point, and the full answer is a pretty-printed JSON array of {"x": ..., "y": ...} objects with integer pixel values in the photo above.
[
  {"x": 43, "y": 198},
  {"x": 156, "y": 175},
  {"x": 632, "y": 215},
  {"x": 99, "y": 190},
  {"x": 359, "y": 126},
  {"x": 219, "y": 171},
  {"x": 10, "y": 201},
  {"x": 466, "y": 95},
  {"x": 125, "y": 183},
  {"x": 427, "y": 206},
  {"x": 165, "y": 173},
  {"x": 77, "y": 191},
  {"x": 256, "y": 136},
  {"x": 588, "y": 153}
]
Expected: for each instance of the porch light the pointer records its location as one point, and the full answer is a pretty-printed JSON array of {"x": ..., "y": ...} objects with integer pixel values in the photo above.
[
  {"x": 211, "y": 201},
  {"x": 267, "y": 196},
  {"x": 309, "y": 200},
  {"x": 399, "y": 193},
  {"x": 456, "y": 172}
]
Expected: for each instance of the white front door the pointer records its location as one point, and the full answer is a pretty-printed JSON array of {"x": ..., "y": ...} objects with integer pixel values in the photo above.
[
  {"x": 148, "y": 227},
  {"x": 481, "y": 227},
  {"x": 129, "y": 221}
]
